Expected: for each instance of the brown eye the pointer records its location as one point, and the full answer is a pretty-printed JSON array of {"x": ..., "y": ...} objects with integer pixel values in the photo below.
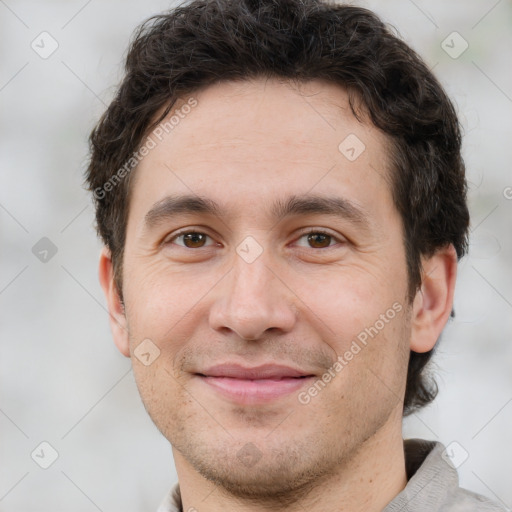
[
  {"x": 194, "y": 240},
  {"x": 190, "y": 240},
  {"x": 319, "y": 240}
]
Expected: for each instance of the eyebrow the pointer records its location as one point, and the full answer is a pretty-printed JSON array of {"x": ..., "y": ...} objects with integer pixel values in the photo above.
[
  {"x": 173, "y": 206},
  {"x": 321, "y": 205}
]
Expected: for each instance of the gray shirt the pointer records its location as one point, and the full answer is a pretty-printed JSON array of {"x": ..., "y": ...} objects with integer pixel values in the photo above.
[{"x": 433, "y": 485}]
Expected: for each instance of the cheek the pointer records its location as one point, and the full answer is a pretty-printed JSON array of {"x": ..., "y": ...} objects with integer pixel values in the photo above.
[
  {"x": 158, "y": 299},
  {"x": 160, "y": 393},
  {"x": 372, "y": 367},
  {"x": 362, "y": 317},
  {"x": 347, "y": 300}
]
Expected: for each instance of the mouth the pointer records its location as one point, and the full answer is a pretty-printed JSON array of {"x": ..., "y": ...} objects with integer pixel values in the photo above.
[{"x": 255, "y": 385}]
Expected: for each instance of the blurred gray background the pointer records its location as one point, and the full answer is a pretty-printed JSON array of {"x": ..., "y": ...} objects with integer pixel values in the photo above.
[{"x": 62, "y": 380}]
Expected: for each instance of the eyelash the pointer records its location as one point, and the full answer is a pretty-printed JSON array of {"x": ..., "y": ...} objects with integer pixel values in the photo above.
[{"x": 309, "y": 232}]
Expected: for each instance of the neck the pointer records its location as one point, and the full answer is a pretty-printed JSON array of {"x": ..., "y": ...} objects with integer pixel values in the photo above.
[{"x": 367, "y": 482}]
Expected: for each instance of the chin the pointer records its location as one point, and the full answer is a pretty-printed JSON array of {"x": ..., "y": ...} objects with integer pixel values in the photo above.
[{"x": 282, "y": 473}]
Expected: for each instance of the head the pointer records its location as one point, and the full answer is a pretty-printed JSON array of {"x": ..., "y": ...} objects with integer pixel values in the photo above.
[{"x": 276, "y": 181}]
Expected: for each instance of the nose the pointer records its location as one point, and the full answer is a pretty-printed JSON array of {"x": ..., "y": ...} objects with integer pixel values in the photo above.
[{"x": 252, "y": 300}]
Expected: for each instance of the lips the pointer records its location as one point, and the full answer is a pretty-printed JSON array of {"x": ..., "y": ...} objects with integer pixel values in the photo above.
[
  {"x": 254, "y": 385},
  {"x": 266, "y": 371}
]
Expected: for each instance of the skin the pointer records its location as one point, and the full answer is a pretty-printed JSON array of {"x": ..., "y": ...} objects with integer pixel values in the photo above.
[{"x": 299, "y": 303}]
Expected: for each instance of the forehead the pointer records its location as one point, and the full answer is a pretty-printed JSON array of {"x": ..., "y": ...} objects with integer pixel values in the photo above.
[
  {"x": 313, "y": 113},
  {"x": 260, "y": 137}
]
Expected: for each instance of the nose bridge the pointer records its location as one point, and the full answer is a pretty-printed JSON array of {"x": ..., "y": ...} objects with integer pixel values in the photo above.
[
  {"x": 252, "y": 281},
  {"x": 253, "y": 299}
]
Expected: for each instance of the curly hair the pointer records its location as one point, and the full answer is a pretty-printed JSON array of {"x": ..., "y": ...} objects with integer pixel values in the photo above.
[{"x": 203, "y": 42}]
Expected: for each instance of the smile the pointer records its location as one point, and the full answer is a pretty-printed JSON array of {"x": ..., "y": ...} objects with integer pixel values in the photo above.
[{"x": 257, "y": 385}]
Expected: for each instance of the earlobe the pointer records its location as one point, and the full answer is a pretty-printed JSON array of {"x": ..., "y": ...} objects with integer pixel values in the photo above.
[
  {"x": 118, "y": 323},
  {"x": 434, "y": 300}
]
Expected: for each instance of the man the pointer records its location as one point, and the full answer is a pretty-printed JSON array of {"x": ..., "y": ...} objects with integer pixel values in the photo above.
[{"x": 281, "y": 194}]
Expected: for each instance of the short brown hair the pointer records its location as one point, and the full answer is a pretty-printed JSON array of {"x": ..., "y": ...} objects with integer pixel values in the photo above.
[{"x": 203, "y": 42}]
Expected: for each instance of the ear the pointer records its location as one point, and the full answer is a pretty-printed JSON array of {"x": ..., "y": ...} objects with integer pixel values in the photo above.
[
  {"x": 118, "y": 323},
  {"x": 434, "y": 300}
]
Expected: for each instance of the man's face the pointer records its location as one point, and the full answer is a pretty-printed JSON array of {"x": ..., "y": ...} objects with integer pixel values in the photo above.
[{"x": 253, "y": 310}]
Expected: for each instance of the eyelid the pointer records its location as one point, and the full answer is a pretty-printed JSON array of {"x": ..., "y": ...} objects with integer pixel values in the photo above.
[
  {"x": 185, "y": 231},
  {"x": 323, "y": 231}
]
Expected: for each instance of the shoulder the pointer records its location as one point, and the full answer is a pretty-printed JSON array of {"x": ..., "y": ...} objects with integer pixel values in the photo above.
[
  {"x": 433, "y": 483},
  {"x": 462, "y": 500},
  {"x": 172, "y": 502}
]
